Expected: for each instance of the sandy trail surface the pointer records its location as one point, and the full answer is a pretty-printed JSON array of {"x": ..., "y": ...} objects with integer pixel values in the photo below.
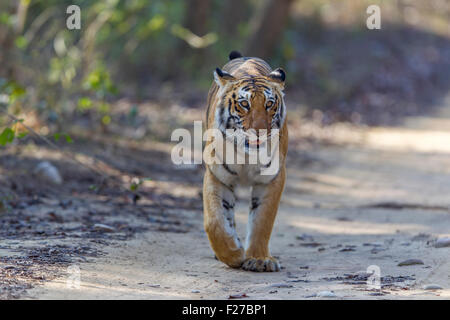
[{"x": 367, "y": 203}]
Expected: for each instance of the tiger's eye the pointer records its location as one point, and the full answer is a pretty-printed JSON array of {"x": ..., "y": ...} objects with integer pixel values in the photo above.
[
  {"x": 244, "y": 104},
  {"x": 269, "y": 104}
]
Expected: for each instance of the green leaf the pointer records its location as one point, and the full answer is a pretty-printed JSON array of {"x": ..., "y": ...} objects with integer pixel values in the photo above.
[
  {"x": 22, "y": 135},
  {"x": 13, "y": 89},
  {"x": 84, "y": 103},
  {"x": 5, "y": 18},
  {"x": 7, "y": 136},
  {"x": 57, "y": 136},
  {"x": 106, "y": 120},
  {"x": 21, "y": 42},
  {"x": 68, "y": 138},
  {"x": 104, "y": 108},
  {"x": 112, "y": 88}
]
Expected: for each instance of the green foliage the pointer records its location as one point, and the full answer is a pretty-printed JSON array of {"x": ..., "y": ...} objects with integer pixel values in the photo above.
[
  {"x": 94, "y": 188},
  {"x": 121, "y": 43},
  {"x": 7, "y": 136},
  {"x": 22, "y": 135},
  {"x": 6, "y": 19},
  {"x": 136, "y": 183},
  {"x": 57, "y": 137},
  {"x": 84, "y": 103},
  {"x": 132, "y": 39},
  {"x": 11, "y": 90},
  {"x": 99, "y": 81},
  {"x": 10, "y": 93},
  {"x": 21, "y": 42}
]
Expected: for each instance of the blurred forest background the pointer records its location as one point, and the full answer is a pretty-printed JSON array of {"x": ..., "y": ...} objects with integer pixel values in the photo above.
[{"x": 166, "y": 50}]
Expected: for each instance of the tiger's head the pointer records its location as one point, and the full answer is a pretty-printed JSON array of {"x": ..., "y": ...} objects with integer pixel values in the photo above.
[{"x": 250, "y": 104}]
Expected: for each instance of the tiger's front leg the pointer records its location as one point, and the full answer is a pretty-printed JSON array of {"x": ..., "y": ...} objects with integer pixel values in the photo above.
[
  {"x": 263, "y": 210},
  {"x": 218, "y": 203}
]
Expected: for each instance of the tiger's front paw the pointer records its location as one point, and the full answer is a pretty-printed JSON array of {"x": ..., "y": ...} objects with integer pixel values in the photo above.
[{"x": 263, "y": 264}]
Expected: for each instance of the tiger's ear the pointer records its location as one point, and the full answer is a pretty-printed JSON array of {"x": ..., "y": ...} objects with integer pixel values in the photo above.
[
  {"x": 222, "y": 78},
  {"x": 279, "y": 76}
]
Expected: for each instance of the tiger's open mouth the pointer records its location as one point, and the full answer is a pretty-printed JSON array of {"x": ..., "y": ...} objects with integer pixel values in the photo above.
[
  {"x": 255, "y": 143},
  {"x": 247, "y": 141}
]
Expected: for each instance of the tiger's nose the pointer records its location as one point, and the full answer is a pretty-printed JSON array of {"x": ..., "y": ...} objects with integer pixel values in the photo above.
[{"x": 261, "y": 124}]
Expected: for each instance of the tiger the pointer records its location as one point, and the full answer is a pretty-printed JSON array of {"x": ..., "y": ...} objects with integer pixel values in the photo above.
[{"x": 246, "y": 94}]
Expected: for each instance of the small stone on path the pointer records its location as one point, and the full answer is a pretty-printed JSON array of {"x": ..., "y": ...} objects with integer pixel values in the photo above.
[{"x": 410, "y": 262}]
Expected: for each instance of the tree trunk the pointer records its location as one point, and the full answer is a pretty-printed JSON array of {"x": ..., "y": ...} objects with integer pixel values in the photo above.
[
  {"x": 8, "y": 35},
  {"x": 197, "y": 16},
  {"x": 196, "y": 19},
  {"x": 267, "y": 28},
  {"x": 233, "y": 13}
]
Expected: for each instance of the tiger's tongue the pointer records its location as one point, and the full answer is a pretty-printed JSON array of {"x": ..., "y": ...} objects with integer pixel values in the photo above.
[{"x": 254, "y": 142}]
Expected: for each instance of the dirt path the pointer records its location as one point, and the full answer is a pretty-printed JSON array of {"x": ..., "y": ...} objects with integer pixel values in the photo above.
[{"x": 346, "y": 207}]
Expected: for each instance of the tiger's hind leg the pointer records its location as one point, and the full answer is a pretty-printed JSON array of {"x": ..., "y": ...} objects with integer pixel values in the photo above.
[
  {"x": 218, "y": 204},
  {"x": 263, "y": 210}
]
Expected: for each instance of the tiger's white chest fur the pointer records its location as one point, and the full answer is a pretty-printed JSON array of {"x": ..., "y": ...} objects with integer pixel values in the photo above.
[
  {"x": 246, "y": 172},
  {"x": 241, "y": 174}
]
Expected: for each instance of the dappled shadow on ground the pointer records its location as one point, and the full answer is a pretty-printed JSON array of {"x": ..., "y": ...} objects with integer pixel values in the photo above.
[
  {"x": 73, "y": 222},
  {"x": 330, "y": 203}
]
